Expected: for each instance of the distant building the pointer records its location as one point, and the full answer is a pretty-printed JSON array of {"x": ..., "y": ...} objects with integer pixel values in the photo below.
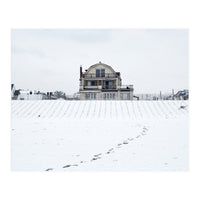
[
  {"x": 29, "y": 95},
  {"x": 101, "y": 82},
  {"x": 12, "y": 91},
  {"x": 182, "y": 95}
]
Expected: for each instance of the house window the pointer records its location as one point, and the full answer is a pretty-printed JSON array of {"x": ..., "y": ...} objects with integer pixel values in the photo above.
[
  {"x": 110, "y": 96},
  {"x": 87, "y": 96},
  {"x": 100, "y": 72},
  {"x": 108, "y": 84},
  {"x": 90, "y": 96},
  {"x": 125, "y": 96},
  {"x": 91, "y": 83}
]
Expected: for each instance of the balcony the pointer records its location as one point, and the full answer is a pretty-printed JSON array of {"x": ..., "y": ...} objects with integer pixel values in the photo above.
[
  {"x": 93, "y": 87},
  {"x": 108, "y": 87},
  {"x": 106, "y": 75},
  {"x": 100, "y": 87}
]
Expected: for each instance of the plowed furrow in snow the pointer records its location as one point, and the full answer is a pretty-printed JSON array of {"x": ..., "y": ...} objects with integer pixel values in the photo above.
[
  {"x": 35, "y": 110},
  {"x": 25, "y": 108},
  {"x": 99, "y": 109}
]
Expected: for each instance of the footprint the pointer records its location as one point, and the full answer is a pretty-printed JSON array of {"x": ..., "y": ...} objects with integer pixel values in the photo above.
[
  {"x": 110, "y": 149},
  {"x": 97, "y": 155},
  {"x": 96, "y": 158},
  {"x": 83, "y": 161},
  {"x": 137, "y": 136},
  {"x": 182, "y": 107},
  {"x": 165, "y": 163},
  {"x": 67, "y": 166},
  {"x": 125, "y": 142},
  {"x": 49, "y": 169}
]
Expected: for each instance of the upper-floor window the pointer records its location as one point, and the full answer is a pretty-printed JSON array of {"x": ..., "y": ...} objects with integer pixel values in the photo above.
[
  {"x": 91, "y": 83},
  {"x": 100, "y": 72}
]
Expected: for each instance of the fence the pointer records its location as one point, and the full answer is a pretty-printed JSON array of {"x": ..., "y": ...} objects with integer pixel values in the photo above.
[{"x": 161, "y": 96}]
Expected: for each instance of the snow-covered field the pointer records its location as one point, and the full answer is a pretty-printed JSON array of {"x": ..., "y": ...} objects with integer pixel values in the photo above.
[{"x": 99, "y": 136}]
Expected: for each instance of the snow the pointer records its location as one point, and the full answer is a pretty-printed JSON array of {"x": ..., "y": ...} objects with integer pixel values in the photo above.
[{"x": 99, "y": 136}]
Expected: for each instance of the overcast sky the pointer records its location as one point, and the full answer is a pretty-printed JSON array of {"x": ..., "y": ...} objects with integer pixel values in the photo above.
[{"x": 49, "y": 60}]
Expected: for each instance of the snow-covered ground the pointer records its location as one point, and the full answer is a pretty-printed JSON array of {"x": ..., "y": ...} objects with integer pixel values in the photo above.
[{"x": 99, "y": 136}]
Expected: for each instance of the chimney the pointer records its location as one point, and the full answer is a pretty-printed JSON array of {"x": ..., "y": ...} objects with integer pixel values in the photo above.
[{"x": 80, "y": 71}]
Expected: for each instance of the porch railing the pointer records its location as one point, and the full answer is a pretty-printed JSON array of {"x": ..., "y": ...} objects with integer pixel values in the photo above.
[
  {"x": 109, "y": 87},
  {"x": 106, "y": 75}
]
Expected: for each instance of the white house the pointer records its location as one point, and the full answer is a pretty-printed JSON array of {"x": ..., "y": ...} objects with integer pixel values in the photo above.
[
  {"x": 29, "y": 95},
  {"x": 101, "y": 82}
]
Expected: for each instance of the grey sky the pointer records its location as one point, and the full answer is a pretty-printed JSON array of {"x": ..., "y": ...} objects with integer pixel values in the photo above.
[{"x": 49, "y": 60}]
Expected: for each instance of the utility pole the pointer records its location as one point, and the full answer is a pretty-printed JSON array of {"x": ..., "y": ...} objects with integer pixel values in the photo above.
[{"x": 160, "y": 95}]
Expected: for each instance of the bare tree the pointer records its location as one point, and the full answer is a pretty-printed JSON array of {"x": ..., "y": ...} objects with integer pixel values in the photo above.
[{"x": 59, "y": 94}]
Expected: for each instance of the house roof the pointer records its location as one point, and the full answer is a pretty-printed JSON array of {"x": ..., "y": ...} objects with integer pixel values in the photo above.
[
  {"x": 100, "y": 63},
  {"x": 17, "y": 92},
  {"x": 182, "y": 92}
]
